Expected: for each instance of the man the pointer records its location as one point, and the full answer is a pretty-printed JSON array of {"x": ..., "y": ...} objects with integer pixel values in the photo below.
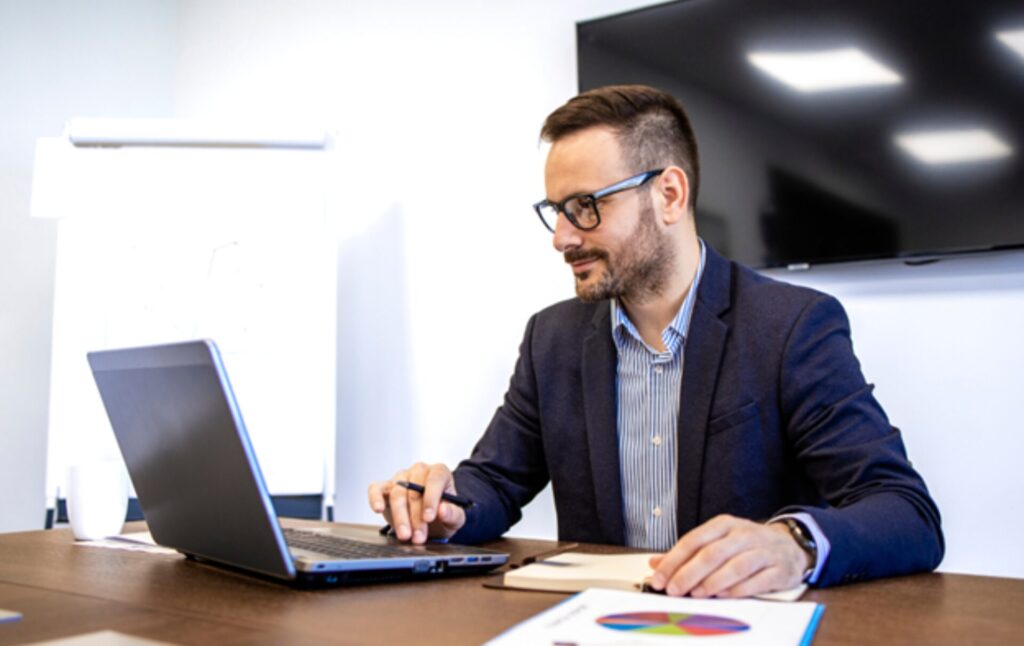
[{"x": 682, "y": 403}]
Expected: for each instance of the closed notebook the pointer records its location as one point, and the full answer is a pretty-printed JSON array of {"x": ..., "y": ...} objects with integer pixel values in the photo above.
[{"x": 576, "y": 571}]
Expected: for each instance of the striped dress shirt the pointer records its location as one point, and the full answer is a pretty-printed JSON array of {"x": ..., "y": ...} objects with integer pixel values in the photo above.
[{"x": 648, "y": 384}]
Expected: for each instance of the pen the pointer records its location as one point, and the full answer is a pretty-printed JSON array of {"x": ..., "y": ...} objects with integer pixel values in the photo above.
[
  {"x": 455, "y": 499},
  {"x": 546, "y": 555}
]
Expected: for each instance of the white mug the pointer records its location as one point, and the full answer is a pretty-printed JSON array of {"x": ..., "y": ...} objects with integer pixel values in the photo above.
[{"x": 97, "y": 499}]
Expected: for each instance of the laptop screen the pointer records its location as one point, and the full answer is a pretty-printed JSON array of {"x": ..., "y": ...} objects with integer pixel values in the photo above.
[{"x": 189, "y": 456}]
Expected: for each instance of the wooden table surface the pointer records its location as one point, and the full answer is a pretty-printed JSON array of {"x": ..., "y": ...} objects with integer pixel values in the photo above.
[{"x": 64, "y": 589}]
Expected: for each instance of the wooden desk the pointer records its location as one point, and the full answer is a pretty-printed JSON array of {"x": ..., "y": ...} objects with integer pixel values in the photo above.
[{"x": 64, "y": 589}]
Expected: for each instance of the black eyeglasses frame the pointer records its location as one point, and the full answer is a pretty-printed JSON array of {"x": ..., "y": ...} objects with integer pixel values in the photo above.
[{"x": 636, "y": 181}]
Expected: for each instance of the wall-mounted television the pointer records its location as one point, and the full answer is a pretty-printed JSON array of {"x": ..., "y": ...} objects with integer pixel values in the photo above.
[{"x": 837, "y": 130}]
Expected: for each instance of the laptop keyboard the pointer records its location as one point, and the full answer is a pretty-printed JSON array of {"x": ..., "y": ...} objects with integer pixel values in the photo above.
[{"x": 340, "y": 547}]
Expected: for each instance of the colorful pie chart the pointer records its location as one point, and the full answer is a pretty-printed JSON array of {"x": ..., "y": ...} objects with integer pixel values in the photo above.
[{"x": 673, "y": 623}]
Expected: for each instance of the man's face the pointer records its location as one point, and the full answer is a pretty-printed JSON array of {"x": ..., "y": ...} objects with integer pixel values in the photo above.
[{"x": 628, "y": 256}]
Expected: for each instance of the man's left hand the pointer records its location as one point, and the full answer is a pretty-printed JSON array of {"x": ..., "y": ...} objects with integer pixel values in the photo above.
[{"x": 730, "y": 557}]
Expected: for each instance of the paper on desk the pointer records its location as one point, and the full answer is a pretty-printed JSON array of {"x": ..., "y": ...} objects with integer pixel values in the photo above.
[
  {"x": 784, "y": 595},
  {"x": 102, "y": 638},
  {"x": 598, "y": 616},
  {"x": 133, "y": 541}
]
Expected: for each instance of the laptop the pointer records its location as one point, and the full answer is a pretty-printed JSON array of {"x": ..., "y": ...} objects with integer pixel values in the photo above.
[{"x": 200, "y": 488}]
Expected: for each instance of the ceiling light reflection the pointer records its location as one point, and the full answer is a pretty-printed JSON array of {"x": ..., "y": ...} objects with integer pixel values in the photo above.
[
  {"x": 1013, "y": 39},
  {"x": 966, "y": 145},
  {"x": 825, "y": 70}
]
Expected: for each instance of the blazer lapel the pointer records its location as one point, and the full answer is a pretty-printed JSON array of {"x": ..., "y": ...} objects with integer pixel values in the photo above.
[
  {"x": 705, "y": 345},
  {"x": 598, "y": 368}
]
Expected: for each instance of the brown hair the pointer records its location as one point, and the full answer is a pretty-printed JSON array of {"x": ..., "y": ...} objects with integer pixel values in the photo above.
[{"x": 651, "y": 126}]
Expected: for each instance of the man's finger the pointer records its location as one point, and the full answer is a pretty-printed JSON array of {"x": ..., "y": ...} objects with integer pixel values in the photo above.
[
  {"x": 739, "y": 568},
  {"x": 375, "y": 496},
  {"x": 767, "y": 580},
  {"x": 687, "y": 547},
  {"x": 414, "y": 501},
  {"x": 707, "y": 560},
  {"x": 438, "y": 480},
  {"x": 451, "y": 517},
  {"x": 399, "y": 507}
]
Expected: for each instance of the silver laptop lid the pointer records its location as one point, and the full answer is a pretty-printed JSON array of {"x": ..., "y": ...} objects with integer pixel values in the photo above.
[{"x": 184, "y": 442}]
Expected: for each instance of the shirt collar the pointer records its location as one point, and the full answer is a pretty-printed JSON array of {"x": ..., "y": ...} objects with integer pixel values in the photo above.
[{"x": 674, "y": 335}]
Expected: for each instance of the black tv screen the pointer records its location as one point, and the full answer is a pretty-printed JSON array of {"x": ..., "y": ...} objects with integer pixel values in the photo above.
[{"x": 836, "y": 130}]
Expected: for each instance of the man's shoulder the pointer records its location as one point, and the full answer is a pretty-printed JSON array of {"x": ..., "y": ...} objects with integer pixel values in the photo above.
[
  {"x": 754, "y": 291},
  {"x": 572, "y": 313},
  {"x": 755, "y": 284},
  {"x": 558, "y": 333}
]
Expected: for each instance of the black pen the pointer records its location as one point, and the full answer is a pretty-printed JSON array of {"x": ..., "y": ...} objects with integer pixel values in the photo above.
[
  {"x": 455, "y": 499},
  {"x": 543, "y": 556}
]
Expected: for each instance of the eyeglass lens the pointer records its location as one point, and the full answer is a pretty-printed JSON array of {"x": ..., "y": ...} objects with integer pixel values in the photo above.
[{"x": 581, "y": 211}]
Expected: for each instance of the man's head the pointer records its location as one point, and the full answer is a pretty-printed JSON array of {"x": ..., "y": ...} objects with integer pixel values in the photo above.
[
  {"x": 624, "y": 243},
  {"x": 651, "y": 126}
]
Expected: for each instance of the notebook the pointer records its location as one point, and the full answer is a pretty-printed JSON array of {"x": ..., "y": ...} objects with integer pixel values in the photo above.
[
  {"x": 185, "y": 444},
  {"x": 576, "y": 571}
]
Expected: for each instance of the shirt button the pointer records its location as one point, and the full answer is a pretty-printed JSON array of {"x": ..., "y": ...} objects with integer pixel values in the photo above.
[
  {"x": 658, "y": 369},
  {"x": 656, "y": 440},
  {"x": 657, "y": 512}
]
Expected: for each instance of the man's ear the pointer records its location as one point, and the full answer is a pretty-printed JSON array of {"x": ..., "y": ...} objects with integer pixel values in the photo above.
[{"x": 673, "y": 191}]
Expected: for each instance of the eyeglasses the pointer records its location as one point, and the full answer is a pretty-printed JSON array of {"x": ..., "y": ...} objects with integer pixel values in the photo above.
[{"x": 581, "y": 209}]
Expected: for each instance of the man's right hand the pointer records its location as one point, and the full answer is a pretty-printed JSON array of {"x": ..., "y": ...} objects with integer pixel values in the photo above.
[{"x": 417, "y": 517}]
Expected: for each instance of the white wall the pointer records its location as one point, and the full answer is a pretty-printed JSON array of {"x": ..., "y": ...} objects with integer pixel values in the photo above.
[
  {"x": 437, "y": 106},
  {"x": 58, "y": 59}
]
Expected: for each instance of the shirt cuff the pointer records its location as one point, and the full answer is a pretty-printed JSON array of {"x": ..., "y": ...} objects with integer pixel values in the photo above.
[{"x": 820, "y": 541}]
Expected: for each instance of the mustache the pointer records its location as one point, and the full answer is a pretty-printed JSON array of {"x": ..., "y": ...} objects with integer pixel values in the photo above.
[{"x": 577, "y": 255}]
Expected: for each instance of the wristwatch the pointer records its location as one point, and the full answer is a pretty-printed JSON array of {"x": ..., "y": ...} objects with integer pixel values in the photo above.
[{"x": 805, "y": 540}]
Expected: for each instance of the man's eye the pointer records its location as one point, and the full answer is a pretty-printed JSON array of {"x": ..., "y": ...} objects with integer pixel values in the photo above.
[{"x": 584, "y": 205}]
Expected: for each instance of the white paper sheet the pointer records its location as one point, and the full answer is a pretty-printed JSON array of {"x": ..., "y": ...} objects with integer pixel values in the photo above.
[
  {"x": 603, "y": 617},
  {"x": 132, "y": 542}
]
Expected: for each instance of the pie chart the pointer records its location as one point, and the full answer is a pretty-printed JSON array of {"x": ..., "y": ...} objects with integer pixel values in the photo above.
[{"x": 673, "y": 623}]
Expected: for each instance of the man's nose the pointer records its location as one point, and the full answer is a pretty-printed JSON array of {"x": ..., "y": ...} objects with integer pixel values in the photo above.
[{"x": 566, "y": 235}]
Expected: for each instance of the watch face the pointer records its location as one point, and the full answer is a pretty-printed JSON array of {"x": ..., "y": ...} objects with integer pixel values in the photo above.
[{"x": 802, "y": 537}]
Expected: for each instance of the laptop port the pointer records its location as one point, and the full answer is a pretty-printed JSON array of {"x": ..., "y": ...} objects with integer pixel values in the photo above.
[{"x": 421, "y": 567}]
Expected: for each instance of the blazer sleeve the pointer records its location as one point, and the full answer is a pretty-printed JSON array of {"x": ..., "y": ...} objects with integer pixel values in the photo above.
[
  {"x": 507, "y": 467},
  {"x": 880, "y": 519}
]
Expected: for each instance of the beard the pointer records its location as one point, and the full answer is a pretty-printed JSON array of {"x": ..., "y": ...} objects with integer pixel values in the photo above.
[{"x": 639, "y": 271}]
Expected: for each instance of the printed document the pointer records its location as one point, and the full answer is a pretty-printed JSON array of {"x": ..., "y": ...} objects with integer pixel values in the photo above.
[{"x": 603, "y": 617}]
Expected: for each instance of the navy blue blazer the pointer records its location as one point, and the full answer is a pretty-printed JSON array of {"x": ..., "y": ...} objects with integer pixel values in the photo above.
[{"x": 775, "y": 416}]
